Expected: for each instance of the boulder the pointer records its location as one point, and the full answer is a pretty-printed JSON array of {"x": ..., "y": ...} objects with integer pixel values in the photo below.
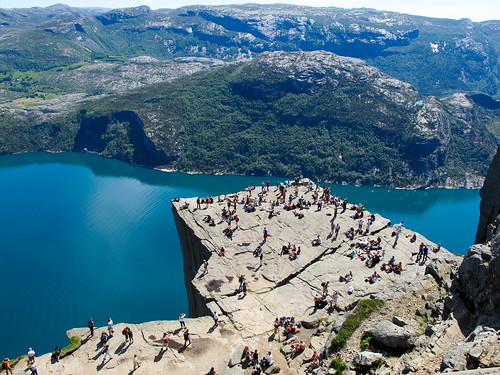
[
  {"x": 311, "y": 323},
  {"x": 442, "y": 270},
  {"x": 367, "y": 359},
  {"x": 392, "y": 336},
  {"x": 456, "y": 358},
  {"x": 273, "y": 369},
  {"x": 236, "y": 356}
]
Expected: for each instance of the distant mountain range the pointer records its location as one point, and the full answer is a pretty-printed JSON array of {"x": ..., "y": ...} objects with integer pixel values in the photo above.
[
  {"x": 256, "y": 89},
  {"x": 437, "y": 56}
]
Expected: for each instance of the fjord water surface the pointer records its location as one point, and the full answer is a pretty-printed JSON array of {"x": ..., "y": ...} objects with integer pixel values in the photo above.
[{"x": 83, "y": 237}]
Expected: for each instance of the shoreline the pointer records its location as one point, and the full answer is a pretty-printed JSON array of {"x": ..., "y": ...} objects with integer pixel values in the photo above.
[{"x": 169, "y": 170}]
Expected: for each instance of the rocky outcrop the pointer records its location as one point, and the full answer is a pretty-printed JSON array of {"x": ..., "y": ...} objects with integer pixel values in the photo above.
[
  {"x": 280, "y": 286},
  {"x": 490, "y": 202},
  {"x": 392, "y": 335},
  {"x": 478, "y": 281}
]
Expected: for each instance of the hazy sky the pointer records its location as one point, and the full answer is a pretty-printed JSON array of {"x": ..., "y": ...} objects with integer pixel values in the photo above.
[{"x": 477, "y": 10}]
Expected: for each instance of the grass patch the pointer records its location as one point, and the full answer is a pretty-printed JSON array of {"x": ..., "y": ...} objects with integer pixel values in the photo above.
[
  {"x": 15, "y": 361},
  {"x": 365, "y": 342},
  {"x": 364, "y": 308},
  {"x": 74, "y": 343},
  {"x": 338, "y": 366}
]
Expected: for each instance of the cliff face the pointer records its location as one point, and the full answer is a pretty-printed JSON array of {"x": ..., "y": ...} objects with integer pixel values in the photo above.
[
  {"x": 490, "y": 202},
  {"x": 478, "y": 280},
  {"x": 194, "y": 250}
]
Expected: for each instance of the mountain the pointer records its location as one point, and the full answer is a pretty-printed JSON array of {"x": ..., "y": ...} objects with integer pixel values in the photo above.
[
  {"x": 312, "y": 113},
  {"x": 437, "y": 56}
]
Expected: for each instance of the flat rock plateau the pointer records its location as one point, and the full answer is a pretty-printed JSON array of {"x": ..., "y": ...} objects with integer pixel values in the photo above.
[{"x": 417, "y": 304}]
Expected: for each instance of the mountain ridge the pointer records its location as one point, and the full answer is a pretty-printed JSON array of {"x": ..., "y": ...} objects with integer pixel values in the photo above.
[{"x": 312, "y": 113}]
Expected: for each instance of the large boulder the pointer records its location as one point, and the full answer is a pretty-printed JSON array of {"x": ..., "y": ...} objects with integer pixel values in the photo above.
[
  {"x": 236, "y": 357},
  {"x": 367, "y": 359},
  {"x": 456, "y": 358},
  {"x": 478, "y": 278},
  {"x": 389, "y": 334},
  {"x": 273, "y": 369}
]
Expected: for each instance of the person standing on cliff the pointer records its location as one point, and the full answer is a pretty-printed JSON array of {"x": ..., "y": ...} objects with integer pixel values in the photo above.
[
  {"x": 265, "y": 234},
  {"x": 216, "y": 319},
  {"x": 398, "y": 230},
  {"x": 181, "y": 320},
  {"x": 110, "y": 327},
  {"x": 205, "y": 266},
  {"x": 90, "y": 324},
  {"x": 6, "y": 366},
  {"x": 186, "y": 338}
]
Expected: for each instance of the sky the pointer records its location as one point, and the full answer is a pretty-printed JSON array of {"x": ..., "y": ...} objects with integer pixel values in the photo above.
[{"x": 476, "y": 10}]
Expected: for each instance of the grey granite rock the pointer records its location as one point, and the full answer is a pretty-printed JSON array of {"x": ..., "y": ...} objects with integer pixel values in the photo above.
[
  {"x": 367, "y": 359},
  {"x": 392, "y": 336}
]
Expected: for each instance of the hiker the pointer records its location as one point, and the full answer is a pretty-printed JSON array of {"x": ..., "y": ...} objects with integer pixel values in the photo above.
[
  {"x": 125, "y": 333},
  {"x": 6, "y": 366},
  {"x": 106, "y": 352},
  {"x": 130, "y": 335},
  {"x": 216, "y": 319},
  {"x": 137, "y": 364},
  {"x": 57, "y": 353},
  {"x": 181, "y": 320},
  {"x": 110, "y": 327},
  {"x": 104, "y": 338},
  {"x": 165, "y": 340},
  {"x": 31, "y": 354},
  {"x": 90, "y": 324},
  {"x": 187, "y": 338}
]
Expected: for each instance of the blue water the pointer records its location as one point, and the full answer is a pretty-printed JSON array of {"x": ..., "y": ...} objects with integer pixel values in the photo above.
[{"x": 81, "y": 237}]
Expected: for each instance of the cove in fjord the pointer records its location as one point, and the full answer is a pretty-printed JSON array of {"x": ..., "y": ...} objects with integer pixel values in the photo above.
[{"x": 83, "y": 237}]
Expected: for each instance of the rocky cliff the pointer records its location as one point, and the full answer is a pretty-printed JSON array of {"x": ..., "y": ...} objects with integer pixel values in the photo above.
[
  {"x": 416, "y": 321},
  {"x": 490, "y": 203},
  {"x": 478, "y": 281}
]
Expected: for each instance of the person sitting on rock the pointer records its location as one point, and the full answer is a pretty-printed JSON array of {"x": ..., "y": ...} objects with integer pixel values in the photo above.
[
  {"x": 257, "y": 251},
  {"x": 300, "y": 214},
  {"x": 267, "y": 361},
  {"x": 257, "y": 370},
  {"x": 317, "y": 241},
  {"x": 398, "y": 268},
  {"x": 437, "y": 248},
  {"x": 319, "y": 302},
  {"x": 372, "y": 278},
  {"x": 293, "y": 255},
  {"x": 104, "y": 338},
  {"x": 346, "y": 278},
  {"x": 350, "y": 234},
  {"x": 312, "y": 358}
]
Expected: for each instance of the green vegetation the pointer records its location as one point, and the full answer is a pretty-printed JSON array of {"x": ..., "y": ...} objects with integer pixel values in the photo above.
[
  {"x": 365, "y": 341},
  {"x": 252, "y": 118},
  {"x": 338, "y": 365},
  {"x": 363, "y": 309},
  {"x": 16, "y": 360},
  {"x": 74, "y": 343}
]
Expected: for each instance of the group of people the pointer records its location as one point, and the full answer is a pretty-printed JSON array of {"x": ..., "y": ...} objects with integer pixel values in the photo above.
[
  {"x": 289, "y": 325},
  {"x": 292, "y": 250},
  {"x": 251, "y": 359}
]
